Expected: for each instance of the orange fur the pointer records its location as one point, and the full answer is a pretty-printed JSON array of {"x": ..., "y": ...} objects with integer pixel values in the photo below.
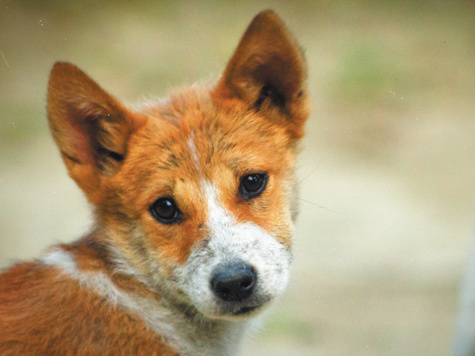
[
  {"x": 124, "y": 160},
  {"x": 44, "y": 313}
]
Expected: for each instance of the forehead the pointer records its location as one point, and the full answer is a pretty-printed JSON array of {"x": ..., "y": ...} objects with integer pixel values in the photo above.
[{"x": 192, "y": 131}]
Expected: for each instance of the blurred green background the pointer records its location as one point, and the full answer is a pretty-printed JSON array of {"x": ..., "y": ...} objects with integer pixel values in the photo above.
[{"x": 387, "y": 171}]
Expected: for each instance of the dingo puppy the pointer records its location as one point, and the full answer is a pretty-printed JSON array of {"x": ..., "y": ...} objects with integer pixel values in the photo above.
[{"x": 195, "y": 203}]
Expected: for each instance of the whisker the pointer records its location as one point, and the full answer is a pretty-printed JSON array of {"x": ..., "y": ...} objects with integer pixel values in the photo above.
[
  {"x": 308, "y": 175},
  {"x": 5, "y": 60},
  {"x": 316, "y": 205}
]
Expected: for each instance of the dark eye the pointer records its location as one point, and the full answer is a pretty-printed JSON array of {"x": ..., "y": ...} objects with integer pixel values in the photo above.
[
  {"x": 252, "y": 185},
  {"x": 166, "y": 211}
]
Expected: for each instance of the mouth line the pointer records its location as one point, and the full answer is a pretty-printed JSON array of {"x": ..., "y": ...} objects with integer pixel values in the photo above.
[{"x": 245, "y": 310}]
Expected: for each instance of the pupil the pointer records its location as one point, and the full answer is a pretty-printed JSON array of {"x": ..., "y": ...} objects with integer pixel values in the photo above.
[
  {"x": 253, "y": 183},
  {"x": 166, "y": 209}
]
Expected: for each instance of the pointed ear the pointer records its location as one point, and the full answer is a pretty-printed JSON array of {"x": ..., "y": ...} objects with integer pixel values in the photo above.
[
  {"x": 268, "y": 72},
  {"x": 90, "y": 127}
]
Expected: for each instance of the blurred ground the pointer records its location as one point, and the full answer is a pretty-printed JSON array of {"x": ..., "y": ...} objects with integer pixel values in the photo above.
[{"x": 387, "y": 170}]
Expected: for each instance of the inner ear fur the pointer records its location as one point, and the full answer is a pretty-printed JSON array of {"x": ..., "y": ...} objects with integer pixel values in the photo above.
[
  {"x": 90, "y": 127},
  {"x": 268, "y": 72}
]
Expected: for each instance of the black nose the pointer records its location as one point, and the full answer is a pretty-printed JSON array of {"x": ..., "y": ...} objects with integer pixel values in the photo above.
[{"x": 233, "y": 281}]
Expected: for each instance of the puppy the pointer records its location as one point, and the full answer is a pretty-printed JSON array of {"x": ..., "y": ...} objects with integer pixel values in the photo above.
[{"x": 195, "y": 202}]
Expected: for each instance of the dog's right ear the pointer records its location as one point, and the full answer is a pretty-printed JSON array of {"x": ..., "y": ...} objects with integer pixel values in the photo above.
[{"x": 90, "y": 127}]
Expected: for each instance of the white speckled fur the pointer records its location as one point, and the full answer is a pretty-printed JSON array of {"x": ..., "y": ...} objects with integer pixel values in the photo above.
[
  {"x": 194, "y": 153},
  {"x": 229, "y": 240}
]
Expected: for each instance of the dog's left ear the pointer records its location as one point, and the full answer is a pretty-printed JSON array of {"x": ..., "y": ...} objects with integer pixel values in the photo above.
[{"x": 268, "y": 73}]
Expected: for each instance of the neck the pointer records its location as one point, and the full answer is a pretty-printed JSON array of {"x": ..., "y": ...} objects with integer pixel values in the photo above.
[{"x": 104, "y": 270}]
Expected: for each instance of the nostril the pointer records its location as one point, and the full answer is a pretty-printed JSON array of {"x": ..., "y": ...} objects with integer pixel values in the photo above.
[
  {"x": 234, "y": 281},
  {"x": 247, "y": 283}
]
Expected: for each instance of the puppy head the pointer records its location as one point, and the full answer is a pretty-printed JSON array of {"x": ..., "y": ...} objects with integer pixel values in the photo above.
[{"x": 196, "y": 194}]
